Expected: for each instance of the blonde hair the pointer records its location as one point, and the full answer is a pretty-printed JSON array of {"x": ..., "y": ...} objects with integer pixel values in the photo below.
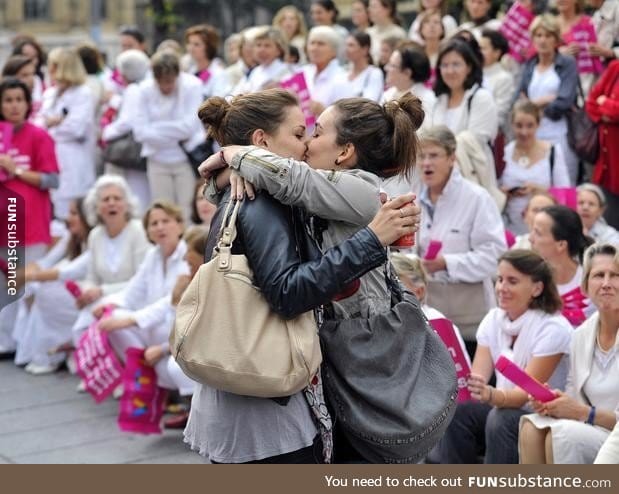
[
  {"x": 275, "y": 35},
  {"x": 410, "y": 268},
  {"x": 547, "y": 22},
  {"x": 301, "y": 28},
  {"x": 68, "y": 67},
  {"x": 172, "y": 210}
]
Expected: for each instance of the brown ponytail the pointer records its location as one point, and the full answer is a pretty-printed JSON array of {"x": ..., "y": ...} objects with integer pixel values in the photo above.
[{"x": 385, "y": 137}]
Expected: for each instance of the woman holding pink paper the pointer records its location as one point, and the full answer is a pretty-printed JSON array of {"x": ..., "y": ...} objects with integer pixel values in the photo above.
[
  {"x": 572, "y": 428},
  {"x": 578, "y": 33},
  {"x": 528, "y": 329},
  {"x": 28, "y": 167}
]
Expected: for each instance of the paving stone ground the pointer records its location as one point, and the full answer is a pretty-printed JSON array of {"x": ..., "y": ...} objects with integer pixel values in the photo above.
[{"x": 44, "y": 420}]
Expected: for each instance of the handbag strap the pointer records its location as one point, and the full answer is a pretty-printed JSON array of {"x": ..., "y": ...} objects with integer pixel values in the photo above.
[{"x": 226, "y": 236}]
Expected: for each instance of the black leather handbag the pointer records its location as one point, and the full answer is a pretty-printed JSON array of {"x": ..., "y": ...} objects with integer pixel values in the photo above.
[
  {"x": 198, "y": 154},
  {"x": 582, "y": 135},
  {"x": 389, "y": 380},
  {"x": 125, "y": 152}
]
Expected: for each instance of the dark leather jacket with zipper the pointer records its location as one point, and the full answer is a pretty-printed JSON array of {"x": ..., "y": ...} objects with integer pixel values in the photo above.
[{"x": 288, "y": 267}]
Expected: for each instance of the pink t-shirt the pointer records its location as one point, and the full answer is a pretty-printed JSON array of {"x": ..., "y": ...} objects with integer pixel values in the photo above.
[{"x": 32, "y": 149}]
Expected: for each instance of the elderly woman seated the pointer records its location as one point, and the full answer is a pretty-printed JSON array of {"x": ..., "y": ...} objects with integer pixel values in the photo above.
[{"x": 572, "y": 427}]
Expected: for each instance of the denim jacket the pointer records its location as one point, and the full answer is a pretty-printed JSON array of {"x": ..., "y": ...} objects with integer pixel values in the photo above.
[{"x": 567, "y": 70}]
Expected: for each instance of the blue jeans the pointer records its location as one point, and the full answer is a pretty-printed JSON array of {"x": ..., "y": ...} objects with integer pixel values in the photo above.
[{"x": 478, "y": 429}]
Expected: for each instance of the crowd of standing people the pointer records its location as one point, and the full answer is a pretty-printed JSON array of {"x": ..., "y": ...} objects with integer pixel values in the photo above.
[{"x": 472, "y": 142}]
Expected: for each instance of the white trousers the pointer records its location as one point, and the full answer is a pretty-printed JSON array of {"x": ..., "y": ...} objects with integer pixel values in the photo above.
[
  {"x": 8, "y": 315},
  {"x": 173, "y": 182}
]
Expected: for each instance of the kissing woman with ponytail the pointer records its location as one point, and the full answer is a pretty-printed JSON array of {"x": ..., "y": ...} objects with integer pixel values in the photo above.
[
  {"x": 292, "y": 274},
  {"x": 356, "y": 143}
]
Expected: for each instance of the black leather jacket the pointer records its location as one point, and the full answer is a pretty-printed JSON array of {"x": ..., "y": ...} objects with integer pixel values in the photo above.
[{"x": 288, "y": 267}]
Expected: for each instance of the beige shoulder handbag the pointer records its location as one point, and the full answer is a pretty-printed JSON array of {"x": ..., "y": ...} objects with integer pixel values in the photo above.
[{"x": 227, "y": 336}]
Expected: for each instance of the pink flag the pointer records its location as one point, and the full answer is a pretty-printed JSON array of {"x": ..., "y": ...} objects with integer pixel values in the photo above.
[
  {"x": 523, "y": 380},
  {"x": 97, "y": 364},
  {"x": 434, "y": 247},
  {"x": 142, "y": 403},
  {"x": 515, "y": 28},
  {"x": 444, "y": 328},
  {"x": 298, "y": 85}
]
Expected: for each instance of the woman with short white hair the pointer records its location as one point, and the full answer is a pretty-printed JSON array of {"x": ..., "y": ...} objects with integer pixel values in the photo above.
[
  {"x": 323, "y": 43},
  {"x": 117, "y": 245},
  {"x": 134, "y": 67},
  {"x": 590, "y": 207}
]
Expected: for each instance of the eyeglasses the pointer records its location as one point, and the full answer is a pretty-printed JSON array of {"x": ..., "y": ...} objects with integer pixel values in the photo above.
[{"x": 452, "y": 66}]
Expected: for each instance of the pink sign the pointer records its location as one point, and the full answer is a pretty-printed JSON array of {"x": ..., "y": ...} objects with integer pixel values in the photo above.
[
  {"x": 142, "y": 403},
  {"x": 523, "y": 380},
  {"x": 97, "y": 364},
  {"x": 298, "y": 85},
  {"x": 73, "y": 288},
  {"x": 567, "y": 196},
  {"x": 204, "y": 75},
  {"x": 444, "y": 328},
  {"x": 434, "y": 247},
  {"x": 583, "y": 33},
  {"x": 574, "y": 303},
  {"x": 6, "y": 142},
  {"x": 515, "y": 28}
]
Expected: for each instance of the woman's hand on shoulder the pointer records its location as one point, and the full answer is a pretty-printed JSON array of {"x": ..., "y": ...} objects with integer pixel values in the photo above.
[
  {"x": 241, "y": 187},
  {"x": 395, "y": 219}
]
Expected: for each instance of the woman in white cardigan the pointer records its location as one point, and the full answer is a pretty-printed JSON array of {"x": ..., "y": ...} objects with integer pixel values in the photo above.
[
  {"x": 47, "y": 324},
  {"x": 69, "y": 115},
  {"x": 117, "y": 246},
  {"x": 462, "y": 104},
  {"x": 145, "y": 314},
  {"x": 572, "y": 427}
]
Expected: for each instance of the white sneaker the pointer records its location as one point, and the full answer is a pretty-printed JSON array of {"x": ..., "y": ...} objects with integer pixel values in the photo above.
[
  {"x": 39, "y": 370},
  {"x": 118, "y": 392},
  {"x": 81, "y": 387},
  {"x": 71, "y": 364}
]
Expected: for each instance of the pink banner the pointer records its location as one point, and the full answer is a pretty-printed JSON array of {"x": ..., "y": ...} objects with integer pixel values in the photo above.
[
  {"x": 567, "y": 196},
  {"x": 523, "y": 380},
  {"x": 515, "y": 28},
  {"x": 97, "y": 364},
  {"x": 583, "y": 33},
  {"x": 444, "y": 328},
  {"x": 298, "y": 85},
  {"x": 142, "y": 403}
]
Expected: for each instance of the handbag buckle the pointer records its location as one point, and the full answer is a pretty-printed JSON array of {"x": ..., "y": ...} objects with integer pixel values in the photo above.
[{"x": 224, "y": 262}]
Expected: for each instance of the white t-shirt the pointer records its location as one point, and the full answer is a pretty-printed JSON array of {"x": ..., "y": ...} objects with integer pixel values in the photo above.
[
  {"x": 516, "y": 175},
  {"x": 543, "y": 336},
  {"x": 543, "y": 84}
]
